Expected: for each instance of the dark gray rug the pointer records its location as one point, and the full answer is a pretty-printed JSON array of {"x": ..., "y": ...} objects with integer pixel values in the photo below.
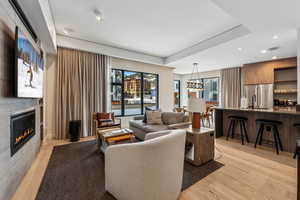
[{"x": 76, "y": 172}]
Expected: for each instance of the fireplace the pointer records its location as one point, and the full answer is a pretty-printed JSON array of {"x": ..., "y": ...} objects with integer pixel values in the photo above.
[{"x": 22, "y": 129}]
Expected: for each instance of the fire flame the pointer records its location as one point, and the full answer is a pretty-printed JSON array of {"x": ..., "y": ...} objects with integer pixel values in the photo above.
[{"x": 26, "y": 133}]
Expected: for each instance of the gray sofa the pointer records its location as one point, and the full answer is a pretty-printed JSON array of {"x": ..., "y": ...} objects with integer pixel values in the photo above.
[{"x": 169, "y": 119}]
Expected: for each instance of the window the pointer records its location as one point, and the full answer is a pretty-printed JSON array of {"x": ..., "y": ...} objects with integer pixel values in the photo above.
[
  {"x": 132, "y": 92},
  {"x": 150, "y": 91},
  {"x": 211, "y": 90},
  {"x": 132, "y": 84},
  {"x": 177, "y": 93},
  {"x": 116, "y": 91}
]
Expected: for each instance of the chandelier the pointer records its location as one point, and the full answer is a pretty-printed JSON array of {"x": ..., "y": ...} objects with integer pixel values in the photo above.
[{"x": 195, "y": 83}]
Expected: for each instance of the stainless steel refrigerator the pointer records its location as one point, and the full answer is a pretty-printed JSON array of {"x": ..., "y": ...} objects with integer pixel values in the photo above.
[{"x": 259, "y": 96}]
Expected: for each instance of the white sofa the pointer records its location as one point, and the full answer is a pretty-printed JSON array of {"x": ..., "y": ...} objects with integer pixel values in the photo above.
[{"x": 149, "y": 170}]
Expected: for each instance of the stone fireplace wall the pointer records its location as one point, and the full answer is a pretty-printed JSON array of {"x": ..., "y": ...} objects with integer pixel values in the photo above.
[{"x": 12, "y": 169}]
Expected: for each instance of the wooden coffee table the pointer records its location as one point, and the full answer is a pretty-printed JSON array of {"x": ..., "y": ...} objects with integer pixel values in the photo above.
[
  {"x": 100, "y": 132},
  {"x": 113, "y": 137}
]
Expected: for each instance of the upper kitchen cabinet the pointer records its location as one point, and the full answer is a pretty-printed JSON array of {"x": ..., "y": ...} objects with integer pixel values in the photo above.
[{"x": 263, "y": 72}]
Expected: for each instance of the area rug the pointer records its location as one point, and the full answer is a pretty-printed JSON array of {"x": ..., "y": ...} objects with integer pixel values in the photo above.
[{"x": 76, "y": 172}]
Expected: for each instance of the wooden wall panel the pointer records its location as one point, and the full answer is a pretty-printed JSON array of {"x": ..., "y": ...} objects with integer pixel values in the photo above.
[{"x": 263, "y": 72}]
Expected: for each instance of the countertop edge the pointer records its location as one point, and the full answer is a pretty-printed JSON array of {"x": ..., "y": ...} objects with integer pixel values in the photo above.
[{"x": 271, "y": 111}]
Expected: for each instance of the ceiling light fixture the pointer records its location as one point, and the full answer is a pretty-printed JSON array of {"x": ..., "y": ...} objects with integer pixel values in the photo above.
[
  {"x": 263, "y": 51},
  {"x": 195, "y": 82},
  {"x": 98, "y": 15},
  {"x": 66, "y": 32},
  {"x": 274, "y": 57},
  {"x": 275, "y": 37},
  {"x": 240, "y": 49}
]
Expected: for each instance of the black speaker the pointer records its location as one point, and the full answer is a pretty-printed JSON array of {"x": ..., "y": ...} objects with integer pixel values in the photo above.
[{"x": 74, "y": 130}]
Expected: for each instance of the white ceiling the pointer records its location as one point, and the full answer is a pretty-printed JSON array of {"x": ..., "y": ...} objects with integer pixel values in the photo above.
[
  {"x": 155, "y": 27},
  {"x": 174, "y": 27},
  {"x": 228, "y": 55},
  {"x": 264, "y": 19}
]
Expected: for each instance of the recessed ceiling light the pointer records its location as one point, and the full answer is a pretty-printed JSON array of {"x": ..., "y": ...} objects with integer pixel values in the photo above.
[
  {"x": 240, "y": 49},
  {"x": 263, "y": 51},
  {"x": 66, "y": 32},
  {"x": 98, "y": 15},
  {"x": 275, "y": 37},
  {"x": 274, "y": 57}
]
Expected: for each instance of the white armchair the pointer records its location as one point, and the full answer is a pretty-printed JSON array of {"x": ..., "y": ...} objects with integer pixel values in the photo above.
[{"x": 149, "y": 170}]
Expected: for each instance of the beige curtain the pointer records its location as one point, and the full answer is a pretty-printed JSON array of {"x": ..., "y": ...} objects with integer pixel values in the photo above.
[
  {"x": 81, "y": 88},
  {"x": 231, "y": 87}
]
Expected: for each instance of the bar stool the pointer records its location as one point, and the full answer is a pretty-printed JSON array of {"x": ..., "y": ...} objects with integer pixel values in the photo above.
[
  {"x": 269, "y": 125},
  {"x": 297, "y": 125},
  {"x": 235, "y": 120}
]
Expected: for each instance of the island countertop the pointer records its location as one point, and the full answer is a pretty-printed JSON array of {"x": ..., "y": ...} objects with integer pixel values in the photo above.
[
  {"x": 287, "y": 131},
  {"x": 289, "y": 111}
]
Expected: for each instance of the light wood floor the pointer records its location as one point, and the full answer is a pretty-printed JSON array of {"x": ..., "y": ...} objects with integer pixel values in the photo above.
[{"x": 248, "y": 173}]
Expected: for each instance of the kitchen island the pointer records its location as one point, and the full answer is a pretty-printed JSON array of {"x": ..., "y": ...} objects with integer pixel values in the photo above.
[{"x": 287, "y": 131}]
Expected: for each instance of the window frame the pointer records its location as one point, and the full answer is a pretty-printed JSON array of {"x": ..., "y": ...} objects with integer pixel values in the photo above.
[{"x": 142, "y": 90}]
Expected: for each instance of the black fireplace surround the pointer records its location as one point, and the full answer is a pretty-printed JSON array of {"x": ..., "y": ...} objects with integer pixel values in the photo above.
[{"x": 22, "y": 129}]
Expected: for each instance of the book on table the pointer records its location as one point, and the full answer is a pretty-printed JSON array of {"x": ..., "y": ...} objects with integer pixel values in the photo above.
[
  {"x": 122, "y": 136},
  {"x": 116, "y": 133}
]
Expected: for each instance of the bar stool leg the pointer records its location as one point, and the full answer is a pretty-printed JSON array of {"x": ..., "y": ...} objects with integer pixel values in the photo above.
[
  {"x": 242, "y": 132},
  {"x": 261, "y": 134},
  {"x": 228, "y": 131},
  {"x": 258, "y": 134},
  {"x": 278, "y": 138},
  {"x": 245, "y": 131},
  {"x": 233, "y": 129},
  {"x": 275, "y": 139},
  {"x": 295, "y": 153}
]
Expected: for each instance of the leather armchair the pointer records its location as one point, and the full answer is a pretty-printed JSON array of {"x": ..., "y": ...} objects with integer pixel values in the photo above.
[
  {"x": 149, "y": 170},
  {"x": 104, "y": 121}
]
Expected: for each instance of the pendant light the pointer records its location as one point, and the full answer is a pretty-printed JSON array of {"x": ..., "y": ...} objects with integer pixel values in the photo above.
[{"x": 195, "y": 83}]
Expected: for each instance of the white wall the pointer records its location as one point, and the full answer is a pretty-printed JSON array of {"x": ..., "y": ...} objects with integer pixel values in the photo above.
[
  {"x": 177, "y": 76},
  {"x": 166, "y": 98},
  {"x": 186, "y": 77},
  {"x": 298, "y": 66},
  {"x": 49, "y": 100}
]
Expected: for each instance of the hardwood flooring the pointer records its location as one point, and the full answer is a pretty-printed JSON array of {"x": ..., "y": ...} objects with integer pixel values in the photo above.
[{"x": 248, "y": 174}]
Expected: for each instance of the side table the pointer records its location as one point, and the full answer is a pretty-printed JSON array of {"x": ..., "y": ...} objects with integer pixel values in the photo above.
[{"x": 200, "y": 145}]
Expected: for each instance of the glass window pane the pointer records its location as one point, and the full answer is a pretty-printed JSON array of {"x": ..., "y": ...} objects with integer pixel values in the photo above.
[
  {"x": 132, "y": 93},
  {"x": 177, "y": 93},
  {"x": 116, "y": 99},
  {"x": 211, "y": 89},
  {"x": 150, "y": 91},
  {"x": 116, "y": 76}
]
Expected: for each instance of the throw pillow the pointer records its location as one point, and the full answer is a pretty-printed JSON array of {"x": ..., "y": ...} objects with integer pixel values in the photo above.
[
  {"x": 103, "y": 116},
  {"x": 145, "y": 115},
  {"x": 154, "y": 117},
  {"x": 169, "y": 118}
]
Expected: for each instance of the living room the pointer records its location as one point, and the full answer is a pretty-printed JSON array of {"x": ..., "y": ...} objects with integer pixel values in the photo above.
[{"x": 152, "y": 100}]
